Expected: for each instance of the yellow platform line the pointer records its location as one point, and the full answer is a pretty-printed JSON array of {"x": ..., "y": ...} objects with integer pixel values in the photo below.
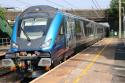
[{"x": 84, "y": 71}]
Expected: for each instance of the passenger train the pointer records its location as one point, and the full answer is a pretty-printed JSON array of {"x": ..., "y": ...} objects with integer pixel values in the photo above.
[{"x": 43, "y": 36}]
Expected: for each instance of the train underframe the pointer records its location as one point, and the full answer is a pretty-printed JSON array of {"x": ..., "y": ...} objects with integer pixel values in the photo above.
[
  {"x": 23, "y": 62},
  {"x": 32, "y": 61}
]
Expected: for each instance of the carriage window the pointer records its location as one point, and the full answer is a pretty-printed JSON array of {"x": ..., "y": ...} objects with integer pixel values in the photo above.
[
  {"x": 86, "y": 28},
  {"x": 70, "y": 28},
  {"x": 89, "y": 28},
  {"x": 78, "y": 30},
  {"x": 78, "y": 27},
  {"x": 99, "y": 30},
  {"x": 82, "y": 28}
]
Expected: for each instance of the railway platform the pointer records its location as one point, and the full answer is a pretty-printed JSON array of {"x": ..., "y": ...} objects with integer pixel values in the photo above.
[{"x": 103, "y": 62}]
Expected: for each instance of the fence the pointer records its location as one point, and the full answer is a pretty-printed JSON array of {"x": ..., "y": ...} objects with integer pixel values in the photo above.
[{"x": 4, "y": 41}]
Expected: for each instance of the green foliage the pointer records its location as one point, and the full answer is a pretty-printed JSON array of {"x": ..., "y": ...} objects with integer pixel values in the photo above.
[
  {"x": 114, "y": 13},
  {"x": 2, "y": 12},
  {"x": 4, "y": 26}
]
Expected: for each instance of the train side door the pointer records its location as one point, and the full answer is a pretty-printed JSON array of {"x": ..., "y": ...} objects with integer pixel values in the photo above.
[{"x": 70, "y": 32}]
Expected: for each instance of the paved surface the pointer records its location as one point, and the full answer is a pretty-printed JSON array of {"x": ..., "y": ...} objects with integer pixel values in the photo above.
[
  {"x": 93, "y": 65},
  {"x": 119, "y": 65}
]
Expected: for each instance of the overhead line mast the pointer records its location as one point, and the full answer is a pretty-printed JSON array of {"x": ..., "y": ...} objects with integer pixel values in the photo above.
[{"x": 119, "y": 18}]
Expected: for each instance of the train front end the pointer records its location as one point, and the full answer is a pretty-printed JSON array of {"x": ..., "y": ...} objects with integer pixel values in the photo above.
[{"x": 32, "y": 39}]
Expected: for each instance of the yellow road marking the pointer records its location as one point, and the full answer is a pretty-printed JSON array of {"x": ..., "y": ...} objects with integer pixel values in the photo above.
[{"x": 84, "y": 72}]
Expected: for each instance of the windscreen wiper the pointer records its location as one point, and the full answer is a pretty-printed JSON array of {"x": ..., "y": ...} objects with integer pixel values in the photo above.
[{"x": 28, "y": 38}]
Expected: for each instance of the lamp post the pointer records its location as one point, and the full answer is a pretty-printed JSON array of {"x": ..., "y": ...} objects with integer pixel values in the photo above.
[{"x": 119, "y": 18}]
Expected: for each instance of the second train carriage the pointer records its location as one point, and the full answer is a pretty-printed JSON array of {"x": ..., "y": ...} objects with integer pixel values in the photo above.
[{"x": 43, "y": 36}]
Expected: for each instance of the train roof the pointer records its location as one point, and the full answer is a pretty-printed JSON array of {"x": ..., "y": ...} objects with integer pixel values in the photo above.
[
  {"x": 51, "y": 11},
  {"x": 40, "y": 9}
]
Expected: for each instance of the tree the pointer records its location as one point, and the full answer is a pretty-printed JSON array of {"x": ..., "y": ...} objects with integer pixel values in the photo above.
[
  {"x": 2, "y": 12},
  {"x": 114, "y": 14}
]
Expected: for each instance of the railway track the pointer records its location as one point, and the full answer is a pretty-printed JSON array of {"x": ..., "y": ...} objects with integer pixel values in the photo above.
[
  {"x": 6, "y": 74},
  {"x": 3, "y": 71}
]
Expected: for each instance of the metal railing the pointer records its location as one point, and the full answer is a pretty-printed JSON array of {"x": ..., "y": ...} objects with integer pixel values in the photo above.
[{"x": 4, "y": 41}]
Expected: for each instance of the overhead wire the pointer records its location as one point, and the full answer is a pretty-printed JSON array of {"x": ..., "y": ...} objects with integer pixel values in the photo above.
[
  {"x": 71, "y": 5},
  {"x": 55, "y": 3},
  {"x": 94, "y": 4},
  {"x": 96, "y": 8},
  {"x": 96, "y": 12},
  {"x": 99, "y": 6},
  {"x": 92, "y": 7},
  {"x": 59, "y": 4},
  {"x": 68, "y": 3}
]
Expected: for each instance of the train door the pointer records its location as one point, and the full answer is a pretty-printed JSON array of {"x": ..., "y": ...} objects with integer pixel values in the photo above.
[{"x": 70, "y": 32}]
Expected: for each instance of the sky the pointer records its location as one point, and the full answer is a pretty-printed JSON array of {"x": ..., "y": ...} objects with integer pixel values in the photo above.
[{"x": 61, "y": 4}]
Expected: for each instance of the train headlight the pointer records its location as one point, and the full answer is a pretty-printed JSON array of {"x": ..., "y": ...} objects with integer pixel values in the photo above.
[
  {"x": 44, "y": 62},
  {"x": 46, "y": 44},
  {"x": 14, "y": 45},
  {"x": 7, "y": 63}
]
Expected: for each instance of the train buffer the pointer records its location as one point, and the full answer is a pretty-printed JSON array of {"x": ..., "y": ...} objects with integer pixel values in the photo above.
[{"x": 103, "y": 62}]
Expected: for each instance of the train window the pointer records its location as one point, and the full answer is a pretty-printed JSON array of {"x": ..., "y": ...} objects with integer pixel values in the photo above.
[
  {"x": 89, "y": 28},
  {"x": 78, "y": 27},
  {"x": 78, "y": 30},
  {"x": 99, "y": 30},
  {"x": 34, "y": 27},
  {"x": 85, "y": 29},
  {"x": 82, "y": 28},
  {"x": 70, "y": 32}
]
